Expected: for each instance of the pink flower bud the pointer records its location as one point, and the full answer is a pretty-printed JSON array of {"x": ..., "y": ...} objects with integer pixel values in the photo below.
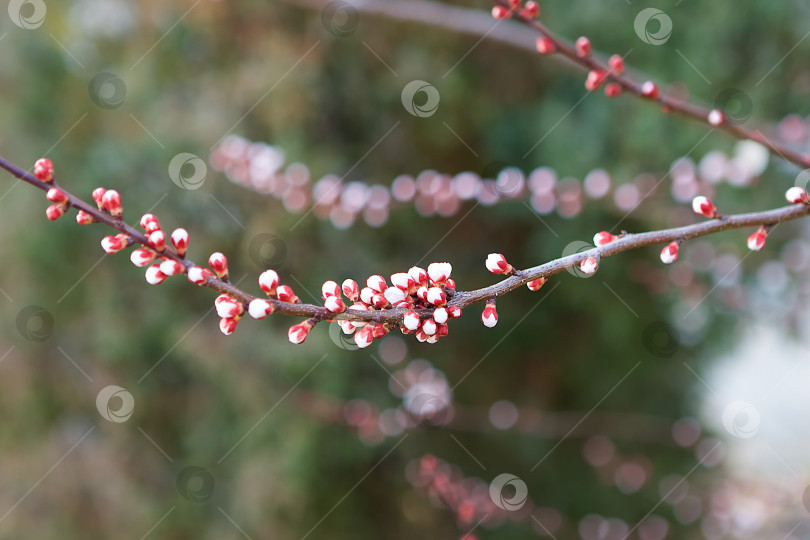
[
  {"x": 454, "y": 311},
  {"x": 228, "y": 308},
  {"x": 268, "y": 281},
  {"x": 531, "y": 10},
  {"x": 112, "y": 203},
  {"x": 154, "y": 276},
  {"x": 286, "y": 294},
  {"x": 334, "y": 304},
  {"x": 43, "y": 170},
  {"x": 545, "y": 46},
  {"x": 367, "y": 295},
  {"x": 298, "y": 333},
  {"x": 364, "y": 336},
  {"x": 421, "y": 336},
  {"x": 440, "y": 315},
  {"x": 514, "y": 4},
  {"x": 613, "y": 89},
  {"x": 98, "y": 196},
  {"x": 535, "y": 284},
  {"x": 490, "y": 315},
  {"x": 703, "y": 206},
  {"x": 377, "y": 283},
  {"x": 171, "y": 267},
  {"x": 583, "y": 46},
  {"x": 219, "y": 264},
  {"x": 500, "y": 12},
  {"x": 330, "y": 288},
  {"x": 439, "y": 272},
  {"x": 347, "y": 327},
  {"x": 351, "y": 289},
  {"x": 83, "y": 218},
  {"x": 436, "y": 296},
  {"x": 716, "y": 117},
  {"x": 394, "y": 294},
  {"x": 596, "y": 78},
  {"x": 670, "y": 253},
  {"x": 757, "y": 240},
  {"x": 180, "y": 241},
  {"x": 797, "y": 195},
  {"x": 421, "y": 293},
  {"x": 113, "y": 244},
  {"x": 259, "y": 308},
  {"x": 197, "y": 275},
  {"x": 56, "y": 195},
  {"x": 650, "y": 90},
  {"x": 379, "y": 330},
  {"x": 411, "y": 320},
  {"x": 616, "y": 63},
  {"x": 55, "y": 211},
  {"x": 450, "y": 284},
  {"x": 227, "y": 326},
  {"x": 380, "y": 301},
  {"x": 419, "y": 275},
  {"x": 441, "y": 330},
  {"x": 149, "y": 222},
  {"x": 602, "y": 238},
  {"x": 496, "y": 263},
  {"x": 429, "y": 326},
  {"x": 589, "y": 265},
  {"x": 141, "y": 257},
  {"x": 157, "y": 240},
  {"x": 404, "y": 282}
]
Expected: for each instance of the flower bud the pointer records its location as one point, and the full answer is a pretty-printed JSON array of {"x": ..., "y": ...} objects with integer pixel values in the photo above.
[
  {"x": 141, "y": 257},
  {"x": 83, "y": 218},
  {"x": 259, "y": 308},
  {"x": 334, "y": 304},
  {"x": 268, "y": 281},
  {"x": 113, "y": 244},
  {"x": 180, "y": 241},
  {"x": 98, "y": 196},
  {"x": 351, "y": 289},
  {"x": 197, "y": 275},
  {"x": 227, "y": 307},
  {"x": 490, "y": 315},
  {"x": 439, "y": 272},
  {"x": 56, "y": 195},
  {"x": 650, "y": 90},
  {"x": 404, "y": 282},
  {"x": 379, "y": 330},
  {"x": 171, "y": 267},
  {"x": 545, "y": 46},
  {"x": 500, "y": 12},
  {"x": 380, "y": 301},
  {"x": 394, "y": 294},
  {"x": 454, "y": 311},
  {"x": 589, "y": 265},
  {"x": 154, "y": 276},
  {"x": 703, "y": 206},
  {"x": 149, "y": 222},
  {"x": 421, "y": 293},
  {"x": 429, "y": 326},
  {"x": 219, "y": 264},
  {"x": 716, "y": 117},
  {"x": 111, "y": 201},
  {"x": 616, "y": 63},
  {"x": 583, "y": 46},
  {"x": 367, "y": 295},
  {"x": 757, "y": 240},
  {"x": 347, "y": 327},
  {"x": 595, "y": 79},
  {"x": 298, "y": 333},
  {"x": 436, "y": 296},
  {"x": 55, "y": 211},
  {"x": 670, "y": 253},
  {"x": 330, "y": 288},
  {"x": 43, "y": 170},
  {"x": 440, "y": 315},
  {"x": 376, "y": 283},
  {"x": 613, "y": 89},
  {"x": 421, "y": 336},
  {"x": 419, "y": 275},
  {"x": 227, "y": 326},
  {"x": 286, "y": 294},
  {"x": 496, "y": 263},
  {"x": 450, "y": 284},
  {"x": 411, "y": 320},
  {"x": 602, "y": 238},
  {"x": 535, "y": 284},
  {"x": 364, "y": 336},
  {"x": 531, "y": 10},
  {"x": 797, "y": 195},
  {"x": 157, "y": 240}
]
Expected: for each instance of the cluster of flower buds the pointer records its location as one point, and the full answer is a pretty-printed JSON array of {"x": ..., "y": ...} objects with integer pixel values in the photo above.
[
  {"x": 416, "y": 291},
  {"x": 529, "y": 10}
]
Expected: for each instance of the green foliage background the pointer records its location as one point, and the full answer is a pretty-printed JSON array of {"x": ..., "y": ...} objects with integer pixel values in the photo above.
[{"x": 192, "y": 78}]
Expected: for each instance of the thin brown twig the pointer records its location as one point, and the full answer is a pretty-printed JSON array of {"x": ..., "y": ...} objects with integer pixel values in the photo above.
[{"x": 460, "y": 299}]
